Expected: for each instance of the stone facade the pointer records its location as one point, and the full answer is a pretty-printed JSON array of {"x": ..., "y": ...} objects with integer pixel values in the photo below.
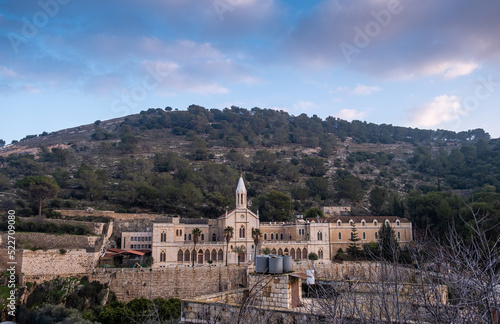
[{"x": 173, "y": 242}]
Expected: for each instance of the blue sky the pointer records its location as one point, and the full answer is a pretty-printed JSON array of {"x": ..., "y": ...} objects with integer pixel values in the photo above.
[{"x": 426, "y": 64}]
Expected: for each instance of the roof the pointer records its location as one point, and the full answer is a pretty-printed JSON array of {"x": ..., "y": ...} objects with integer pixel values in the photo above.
[
  {"x": 358, "y": 219},
  {"x": 299, "y": 275},
  {"x": 241, "y": 186},
  {"x": 224, "y": 215}
]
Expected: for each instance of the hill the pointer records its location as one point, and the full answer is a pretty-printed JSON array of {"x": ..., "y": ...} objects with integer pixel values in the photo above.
[{"x": 187, "y": 163}]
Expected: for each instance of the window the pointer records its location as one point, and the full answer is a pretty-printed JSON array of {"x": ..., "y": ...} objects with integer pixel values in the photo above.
[
  {"x": 220, "y": 255},
  {"x": 203, "y": 237},
  {"x": 340, "y": 236},
  {"x": 376, "y": 235},
  {"x": 272, "y": 236},
  {"x": 399, "y": 235},
  {"x": 163, "y": 256},
  {"x": 265, "y": 236},
  {"x": 320, "y": 236},
  {"x": 189, "y": 237},
  {"x": 281, "y": 236},
  {"x": 339, "y": 223},
  {"x": 242, "y": 232},
  {"x": 185, "y": 238},
  {"x": 363, "y": 223},
  {"x": 214, "y": 255},
  {"x": 207, "y": 255},
  {"x": 176, "y": 232},
  {"x": 186, "y": 255},
  {"x": 397, "y": 223},
  {"x": 180, "y": 232},
  {"x": 214, "y": 237},
  {"x": 163, "y": 237},
  {"x": 387, "y": 222},
  {"x": 320, "y": 254},
  {"x": 180, "y": 255},
  {"x": 364, "y": 236},
  {"x": 351, "y": 223},
  {"x": 375, "y": 223},
  {"x": 277, "y": 237}
]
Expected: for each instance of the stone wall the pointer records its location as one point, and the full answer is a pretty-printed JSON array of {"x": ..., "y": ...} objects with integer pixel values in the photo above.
[
  {"x": 112, "y": 214},
  {"x": 95, "y": 228},
  {"x": 180, "y": 282},
  {"x": 43, "y": 266},
  {"x": 53, "y": 241}
]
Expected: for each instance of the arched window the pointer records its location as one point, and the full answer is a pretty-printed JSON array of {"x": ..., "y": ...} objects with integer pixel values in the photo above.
[
  {"x": 186, "y": 255},
  {"x": 162, "y": 256},
  {"x": 185, "y": 237},
  {"x": 320, "y": 236},
  {"x": 214, "y": 255},
  {"x": 299, "y": 254},
  {"x": 214, "y": 237},
  {"x": 163, "y": 237},
  {"x": 397, "y": 223},
  {"x": 242, "y": 231},
  {"x": 387, "y": 222},
  {"x": 375, "y": 223},
  {"x": 189, "y": 237},
  {"x": 363, "y": 223},
  {"x": 220, "y": 255},
  {"x": 280, "y": 251},
  {"x": 202, "y": 237},
  {"x": 320, "y": 254},
  {"x": 285, "y": 251},
  {"x": 265, "y": 236},
  {"x": 340, "y": 236},
  {"x": 399, "y": 235},
  {"x": 272, "y": 236},
  {"x": 304, "y": 253},
  {"x": 351, "y": 223},
  {"x": 180, "y": 232},
  {"x": 277, "y": 237},
  {"x": 364, "y": 236},
  {"x": 339, "y": 223},
  {"x": 273, "y": 251},
  {"x": 292, "y": 253},
  {"x": 281, "y": 236},
  {"x": 207, "y": 255},
  {"x": 180, "y": 255},
  {"x": 176, "y": 232},
  {"x": 376, "y": 235}
]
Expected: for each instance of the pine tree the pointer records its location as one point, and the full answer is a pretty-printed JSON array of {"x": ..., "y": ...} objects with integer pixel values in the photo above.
[{"x": 353, "y": 249}]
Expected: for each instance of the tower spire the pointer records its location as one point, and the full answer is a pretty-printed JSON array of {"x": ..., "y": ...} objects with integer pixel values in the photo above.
[{"x": 241, "y": 194}]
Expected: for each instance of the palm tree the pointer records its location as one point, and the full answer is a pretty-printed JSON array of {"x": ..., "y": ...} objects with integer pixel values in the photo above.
[
  {"x": 196, "y": 235},
  {"x": 239, "y": 250},
  {"x": 256, "y": 234},
  {"x": 265, "y": 251},
  {"x": 228, "y": 234}
]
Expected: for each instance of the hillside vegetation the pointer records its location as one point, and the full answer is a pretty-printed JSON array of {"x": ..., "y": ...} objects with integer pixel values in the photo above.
[{"x": 188, "y": 163}]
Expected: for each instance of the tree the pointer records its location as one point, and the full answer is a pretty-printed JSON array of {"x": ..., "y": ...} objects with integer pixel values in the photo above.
[
  {"x": 377, "y": 199},
  {"x": 349, "y": 186},
  {"x": 228, "y": 234},
  {"x": 265, "y": 251},
  {"x": 239, "y": 250},
  {"x": 40, "y": 188},
  {"x": 389, "y": 246},
  {"x": 196, "y": 235},
  {"x": 256, "y": 234},
  {"x": 314, "y": 212},
  {"x": 353, "y": 249},
  {"x": 2, "y": 143}
]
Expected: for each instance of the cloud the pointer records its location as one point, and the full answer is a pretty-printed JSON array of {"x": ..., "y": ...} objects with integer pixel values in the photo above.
[
  {"x": 350, "y": 114},
  {"x": 449, "y": 70},
  {"x": 303, "y": 106},
  {"x": 405, "y": 46},
  {"x": 359, "y": 90},
  {"x": 441, "y": 110}
]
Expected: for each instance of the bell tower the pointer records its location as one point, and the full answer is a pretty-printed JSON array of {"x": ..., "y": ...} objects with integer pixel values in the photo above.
[{"x": 241, "y": 194}]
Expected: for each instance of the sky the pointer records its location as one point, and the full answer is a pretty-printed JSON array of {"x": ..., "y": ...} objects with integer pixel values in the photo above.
[{"x": 426, "y": 64}]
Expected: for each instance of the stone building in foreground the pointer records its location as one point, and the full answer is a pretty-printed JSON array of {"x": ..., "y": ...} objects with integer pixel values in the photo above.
[{"x": 172, "y": 239}]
